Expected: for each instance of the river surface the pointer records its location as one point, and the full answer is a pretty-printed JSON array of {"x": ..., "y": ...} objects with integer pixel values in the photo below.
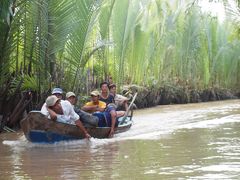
[{"x": 192, "y": 141}]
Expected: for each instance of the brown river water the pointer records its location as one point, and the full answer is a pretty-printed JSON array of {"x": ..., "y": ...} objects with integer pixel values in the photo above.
[{"x": 192, "y": 141}]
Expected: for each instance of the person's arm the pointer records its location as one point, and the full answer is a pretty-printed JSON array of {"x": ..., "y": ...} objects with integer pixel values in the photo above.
[
  {"x": 78, "y": 123},
  {"x": 94, "y": 108},
  {"x": 52, "y": 114},
  {"x": 126, "y": 105},
  {"x": 101, "y": 109},
  {"x": 44, "y": 110},
  {"x": 113, "y": 120},
  {"x": 89, "y": 108},
  {"x": 82, "y": 128}
]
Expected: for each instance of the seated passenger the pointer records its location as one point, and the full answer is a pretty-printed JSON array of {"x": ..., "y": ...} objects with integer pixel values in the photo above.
[
  {"x": 105, "y": 96},
  {"x": 95, "y": 105},
  {"x": 120, "y": 101},
  {"x": 87, "y": 119},
  {"x": 56, "y": 92},
  {"x": 62, "y": 111},
  {"x": 108, "y": 115},
  {"x": 108, "y": 98}
]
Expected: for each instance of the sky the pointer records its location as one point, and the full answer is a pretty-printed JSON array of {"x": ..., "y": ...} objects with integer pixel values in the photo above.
[{"x": 214, "y": 7}]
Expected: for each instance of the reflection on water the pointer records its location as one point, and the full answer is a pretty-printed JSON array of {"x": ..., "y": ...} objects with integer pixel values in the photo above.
[
  {"x": 69, "y": 160},
  {"x": 193, "y": 141}
]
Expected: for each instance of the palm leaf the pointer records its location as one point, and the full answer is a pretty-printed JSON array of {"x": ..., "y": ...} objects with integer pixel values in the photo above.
[
  {"x": 84, "y": 17},
  {"x": 123, "y": 22}
]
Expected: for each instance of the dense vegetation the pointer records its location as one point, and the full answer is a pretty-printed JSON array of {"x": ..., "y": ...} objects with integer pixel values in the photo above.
[{"x": 170, "y": 47}]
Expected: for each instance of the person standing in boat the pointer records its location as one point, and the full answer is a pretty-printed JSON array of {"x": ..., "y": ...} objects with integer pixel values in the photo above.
[
  {"x": 107, "y": 115},
  {"x": 87, "y": 119},
  {"x": 62, "y": 111}
]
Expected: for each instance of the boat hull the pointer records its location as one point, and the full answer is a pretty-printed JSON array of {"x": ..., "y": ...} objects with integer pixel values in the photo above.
[{"x": 39, "y": 129}]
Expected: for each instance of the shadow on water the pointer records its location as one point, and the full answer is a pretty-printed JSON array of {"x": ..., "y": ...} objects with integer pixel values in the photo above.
[{"x": 193, "y": 141}]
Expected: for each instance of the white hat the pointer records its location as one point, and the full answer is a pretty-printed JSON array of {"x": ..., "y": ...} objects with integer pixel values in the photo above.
[
  {"x": 57, "y": 91},
  {"x": 95, "y": 93},
  {"x": 69, "y": 94},
  {"x": 51, "y": 100}
]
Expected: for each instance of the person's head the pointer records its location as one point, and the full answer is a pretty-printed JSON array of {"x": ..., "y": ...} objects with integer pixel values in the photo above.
[
  {"x": 71, "y": 97},
  {"x": 104, "y": 87},
  {"x": 113, "y": 89},
  {"x": 57, "y": 92},
  {"x": 95, "y": 96},
  {"x": 53, "y": 103}
]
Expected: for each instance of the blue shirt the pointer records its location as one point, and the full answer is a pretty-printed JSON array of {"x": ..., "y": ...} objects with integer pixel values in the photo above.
[{"x": 108, "y": 100}]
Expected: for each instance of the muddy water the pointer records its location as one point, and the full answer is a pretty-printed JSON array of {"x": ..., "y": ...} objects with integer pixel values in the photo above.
[{"x": 193, "y": 141}]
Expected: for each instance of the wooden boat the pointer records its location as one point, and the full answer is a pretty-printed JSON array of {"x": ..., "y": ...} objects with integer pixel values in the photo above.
[{"x": 38, "y": 128}]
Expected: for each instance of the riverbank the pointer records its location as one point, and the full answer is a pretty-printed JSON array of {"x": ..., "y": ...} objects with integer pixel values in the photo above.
[
  {"x": 152, "y": 96},
  {"x": 147, "y": 97}
]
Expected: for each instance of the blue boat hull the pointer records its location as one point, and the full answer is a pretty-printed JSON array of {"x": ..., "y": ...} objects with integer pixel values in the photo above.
[
  {"x": 39, "y": 136},
  {"x": 39, "y": 129}
]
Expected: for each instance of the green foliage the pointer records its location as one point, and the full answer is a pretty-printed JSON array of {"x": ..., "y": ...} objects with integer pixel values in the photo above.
[
  {"x": 26, "y": 83},
  {"x": 75, "y": 44},
  {"x": 30, "y": 83}
]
